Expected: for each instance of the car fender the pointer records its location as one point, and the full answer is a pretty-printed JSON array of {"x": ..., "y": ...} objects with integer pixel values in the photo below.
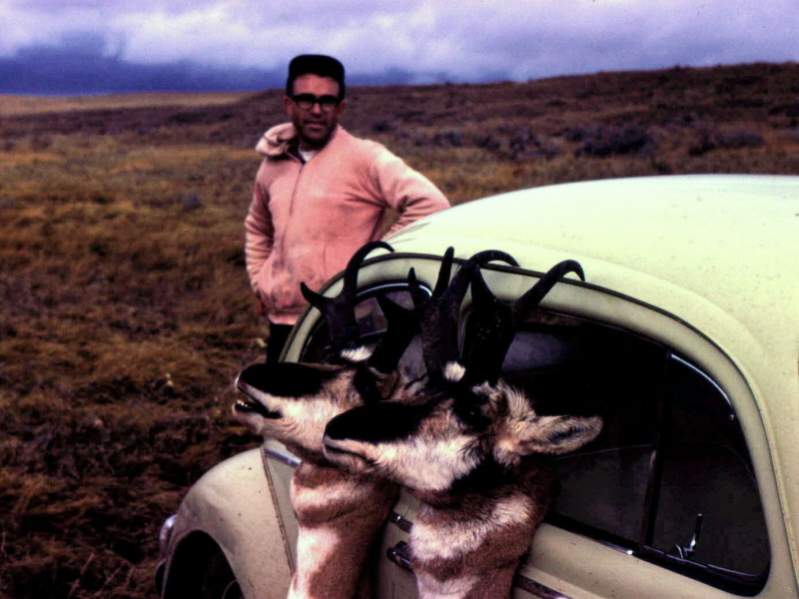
[{"x": 233, "y": 504}]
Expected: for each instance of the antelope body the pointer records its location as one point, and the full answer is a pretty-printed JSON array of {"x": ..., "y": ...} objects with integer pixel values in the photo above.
[{"x": 339, "y": 513}]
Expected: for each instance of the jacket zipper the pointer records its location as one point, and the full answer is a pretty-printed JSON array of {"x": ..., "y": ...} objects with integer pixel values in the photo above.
[
  {"x": 282, "y": 248},
  {"x": 296, "y": 185}
]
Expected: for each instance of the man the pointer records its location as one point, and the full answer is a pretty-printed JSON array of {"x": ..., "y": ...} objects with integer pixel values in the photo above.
[{"x": 319, "y": 195}]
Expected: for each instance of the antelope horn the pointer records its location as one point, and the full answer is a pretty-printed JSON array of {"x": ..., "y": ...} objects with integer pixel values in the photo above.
[
  {"x": 444, "y": 272},
  {"x": 451, "y": 299},
  {"x": 488, "y": 333},
  {"x": 339, "y": 311},
  {"x": 402, "y": 326},
  {"x": 533, "y": 297},
  {"x": 493, "y": 322},
  {"x": 486, "y": 256},
  {"x": 439, "y": 313},
  {"x": 439, "y": 345},
  {"x": 489, "y": 329}
]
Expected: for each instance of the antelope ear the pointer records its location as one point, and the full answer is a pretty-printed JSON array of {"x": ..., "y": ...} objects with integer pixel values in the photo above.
[{"x": 549, "y": 435}]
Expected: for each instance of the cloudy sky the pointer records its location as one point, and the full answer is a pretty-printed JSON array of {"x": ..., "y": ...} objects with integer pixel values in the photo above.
[{"x": 52, "y": 46}]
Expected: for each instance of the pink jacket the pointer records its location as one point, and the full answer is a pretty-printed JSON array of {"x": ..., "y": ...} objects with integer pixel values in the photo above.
[{"x": 306, "y": 220}]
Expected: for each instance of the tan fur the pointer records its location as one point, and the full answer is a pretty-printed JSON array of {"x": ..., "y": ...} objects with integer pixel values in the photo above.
[
  {"x": 492, "y": 530},
  {"x": 471, "y": 533},
  {"x": 337, "y": 532},
  {"x": 340, "y": 515}
]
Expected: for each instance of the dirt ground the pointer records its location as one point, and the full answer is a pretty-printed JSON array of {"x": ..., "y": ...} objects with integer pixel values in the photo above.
[{"x": 126, "y": 311}]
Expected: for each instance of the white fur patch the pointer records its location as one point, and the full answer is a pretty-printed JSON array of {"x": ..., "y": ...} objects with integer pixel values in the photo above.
[
  {"x": 307, "y": 420},
  {"x": 431, "y": 588},
  {"x": 454, "y": 372},
  {"x": 431, "y": 539},
  {"x": 315, "y": 546},
  {"x": 358, "y": 354},
  {"x": 424, "y": 463},
  {"x": 336, "y": 493}
]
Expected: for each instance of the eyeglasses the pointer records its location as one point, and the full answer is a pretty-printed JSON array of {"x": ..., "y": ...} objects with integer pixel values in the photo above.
[{"x": 307, "y": 101}]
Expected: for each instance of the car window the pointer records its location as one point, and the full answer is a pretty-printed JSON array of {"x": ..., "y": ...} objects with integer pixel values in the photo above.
[
  {"x": 706, "y": 470},
  {"x": 671, "y": 464}
]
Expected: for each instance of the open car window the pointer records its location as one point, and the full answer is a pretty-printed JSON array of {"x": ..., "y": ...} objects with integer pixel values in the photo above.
[{"x": 670, "y": 478}]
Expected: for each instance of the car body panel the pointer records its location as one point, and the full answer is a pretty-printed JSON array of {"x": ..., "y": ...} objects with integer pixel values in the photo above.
[{"x": 233, "y": 504}]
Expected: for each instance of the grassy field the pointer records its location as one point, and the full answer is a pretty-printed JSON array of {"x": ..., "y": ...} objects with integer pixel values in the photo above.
[
  {"x": 12, "y": 105},
  {"x": 126, "y": 311}
]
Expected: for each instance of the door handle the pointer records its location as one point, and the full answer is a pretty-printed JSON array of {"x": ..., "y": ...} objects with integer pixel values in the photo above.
[{"x": 400, "y": 554}]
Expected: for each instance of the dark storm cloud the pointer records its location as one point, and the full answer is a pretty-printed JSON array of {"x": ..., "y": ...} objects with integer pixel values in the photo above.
[
  {"x": 238, "y": 44},
  {"x": 80, "y": 65}
]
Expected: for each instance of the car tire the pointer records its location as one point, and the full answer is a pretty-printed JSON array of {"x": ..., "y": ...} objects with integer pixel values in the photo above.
[
  {"x": 199, "y": 569},
  {"x": 218, "y": 580}
]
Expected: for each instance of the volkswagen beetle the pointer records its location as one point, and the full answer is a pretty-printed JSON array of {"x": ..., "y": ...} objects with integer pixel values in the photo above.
[{"x": 687, "y": 329}]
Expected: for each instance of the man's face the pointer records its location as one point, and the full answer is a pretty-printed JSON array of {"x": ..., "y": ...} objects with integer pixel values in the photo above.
[{"x": 314, "y": 124}]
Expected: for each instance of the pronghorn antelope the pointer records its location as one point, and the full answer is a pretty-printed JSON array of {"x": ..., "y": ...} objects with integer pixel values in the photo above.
[
  {"x": 470, "y": 446},
  {"x": 339, "y": 513}
]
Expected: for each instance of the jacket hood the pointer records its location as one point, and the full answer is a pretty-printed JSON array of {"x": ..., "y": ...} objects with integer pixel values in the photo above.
[{"x": 275, "y": 142}]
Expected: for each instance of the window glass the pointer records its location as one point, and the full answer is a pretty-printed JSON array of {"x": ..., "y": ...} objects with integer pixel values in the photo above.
[
  {"x": 591, "y": 369},
  {"x": 706, "y": 470},
  {"x": 671, "y": 448}
]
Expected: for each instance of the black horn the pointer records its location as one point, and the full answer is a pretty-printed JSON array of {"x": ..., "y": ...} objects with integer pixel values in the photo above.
[
  {"x": 533, "y": 297},
  {"x": 339, "y": 311},
  {"x": 439, "y": 313},
  {"x": 493, "y": 323},
  {"x": 402, "y": 326}
]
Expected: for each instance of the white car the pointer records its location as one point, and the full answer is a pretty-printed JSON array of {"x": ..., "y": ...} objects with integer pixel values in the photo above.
[{"x": 687, "y": 328}]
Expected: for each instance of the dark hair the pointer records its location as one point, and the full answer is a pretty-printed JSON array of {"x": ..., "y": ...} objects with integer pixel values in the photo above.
[{"x": 316, "y": 64}]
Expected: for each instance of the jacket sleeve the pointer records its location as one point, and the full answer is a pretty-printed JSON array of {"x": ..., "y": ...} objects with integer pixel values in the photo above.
[
  {"x": 406, "y": 190},
  {"x": 259, "y": 232}
]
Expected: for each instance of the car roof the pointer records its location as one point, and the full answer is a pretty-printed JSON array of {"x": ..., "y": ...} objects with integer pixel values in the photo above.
[{"x": 719, "y": 252}]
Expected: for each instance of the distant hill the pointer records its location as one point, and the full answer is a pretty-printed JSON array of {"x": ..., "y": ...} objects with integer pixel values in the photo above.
[{"x": 661, "y": 114}]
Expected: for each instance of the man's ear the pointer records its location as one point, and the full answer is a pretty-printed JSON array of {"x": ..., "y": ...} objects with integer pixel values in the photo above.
[
  {"x": 287, "y": 106},
  {"x": 548, "y": 435}
]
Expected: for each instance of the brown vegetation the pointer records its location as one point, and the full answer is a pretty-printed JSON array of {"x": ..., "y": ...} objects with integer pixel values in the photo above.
[
  {"x": 12, "y": 105},
  {"x": 125, "y": 307}
]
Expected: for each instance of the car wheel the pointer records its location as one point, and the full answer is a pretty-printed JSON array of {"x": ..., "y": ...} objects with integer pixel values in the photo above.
[
  {"x": 218, "y": 580},
  {"x": 199, "y": 569}
]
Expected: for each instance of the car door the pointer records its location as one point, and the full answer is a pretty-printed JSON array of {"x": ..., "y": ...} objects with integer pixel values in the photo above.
[{"x": 677, "y": 496}]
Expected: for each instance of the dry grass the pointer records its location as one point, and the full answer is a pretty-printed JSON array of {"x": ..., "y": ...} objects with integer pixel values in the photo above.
[
  {"x": 126, "y": 310},
  {"x": 14, "y": 105}
]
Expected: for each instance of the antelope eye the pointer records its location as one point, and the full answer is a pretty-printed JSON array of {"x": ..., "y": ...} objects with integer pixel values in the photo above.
[{"x": 469, "y": 410}]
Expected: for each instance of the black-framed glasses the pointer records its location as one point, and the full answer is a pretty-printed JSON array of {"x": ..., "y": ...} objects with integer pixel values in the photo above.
[{"x": 306, "y": 101}]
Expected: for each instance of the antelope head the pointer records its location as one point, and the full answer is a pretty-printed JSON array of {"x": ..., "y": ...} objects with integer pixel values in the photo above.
[
  {"x": 292, "y": 402},
  {"x": 467, "y": 423}
]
